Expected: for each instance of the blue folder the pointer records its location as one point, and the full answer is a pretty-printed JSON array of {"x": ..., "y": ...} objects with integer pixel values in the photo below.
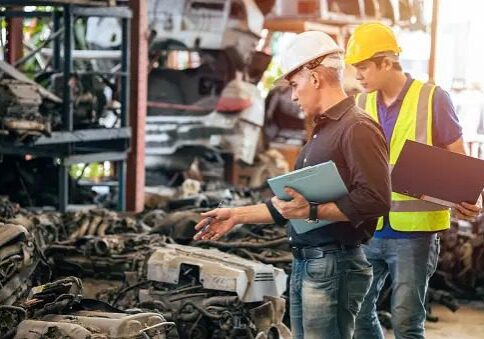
[{"x": 319, "y": 183}]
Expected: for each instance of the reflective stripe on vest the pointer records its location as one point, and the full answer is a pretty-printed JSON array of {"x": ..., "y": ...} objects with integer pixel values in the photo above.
[{"x": 414, "y": 122}]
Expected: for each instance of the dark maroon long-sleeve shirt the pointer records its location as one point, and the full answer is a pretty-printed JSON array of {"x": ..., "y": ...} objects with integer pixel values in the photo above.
[{"x": 355, "y": 143}]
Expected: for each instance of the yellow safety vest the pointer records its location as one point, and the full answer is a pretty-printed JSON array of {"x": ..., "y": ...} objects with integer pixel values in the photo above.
[{"x": 414, "y": 122}]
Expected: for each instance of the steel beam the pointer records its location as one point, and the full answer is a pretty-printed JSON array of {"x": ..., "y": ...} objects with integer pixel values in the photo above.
[
  {"x": 51, "y": 2},
  {"x": 22, "y": 14},
  {"x": 56, "y": 21},
  {"x": 67, "y": 118},
  {"x": 433, "y": 40},
  {"x": 94, "y": 157},
  {"x": 138, "y": 99},
  {"x": 63, "y": 188},
  {"x": 14, "y": 45},
  {"x": 111, "y": 12},
  {"x": 84, "y": 135},
  {"x": 122, "y": 174}
]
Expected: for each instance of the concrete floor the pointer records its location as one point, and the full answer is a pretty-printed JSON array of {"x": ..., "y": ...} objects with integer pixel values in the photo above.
[{"x": 466, "y": 323}]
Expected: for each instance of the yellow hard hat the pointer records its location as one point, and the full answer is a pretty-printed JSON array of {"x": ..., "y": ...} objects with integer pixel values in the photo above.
[{"x": 368, "y": 40}]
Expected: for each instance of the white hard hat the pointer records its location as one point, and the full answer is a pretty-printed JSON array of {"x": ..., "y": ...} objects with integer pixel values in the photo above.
[{"x": 306, "y": 47}]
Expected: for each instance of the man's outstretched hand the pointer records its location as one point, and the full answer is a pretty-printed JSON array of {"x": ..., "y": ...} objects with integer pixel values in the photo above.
[{"x": 215, "y": 224}]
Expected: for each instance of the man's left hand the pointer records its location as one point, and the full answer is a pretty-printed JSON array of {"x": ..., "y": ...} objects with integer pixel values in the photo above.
[
  {"x": 297, "y": 208},
  {"x": 466, "y": 211}
]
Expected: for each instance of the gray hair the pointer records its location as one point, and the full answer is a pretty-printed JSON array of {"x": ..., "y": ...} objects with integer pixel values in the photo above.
[
  {"x": 333, "y": 60},
  {"x": 333, "y": 76},
  {"x": 330, "y": 68}
]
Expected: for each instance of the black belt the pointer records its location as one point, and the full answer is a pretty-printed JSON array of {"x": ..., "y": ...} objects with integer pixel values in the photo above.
[{"x": 318, "y": 252}]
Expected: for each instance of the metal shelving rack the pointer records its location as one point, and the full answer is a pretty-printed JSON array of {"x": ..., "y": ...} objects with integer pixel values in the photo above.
[{"x": 70, "y": 146}]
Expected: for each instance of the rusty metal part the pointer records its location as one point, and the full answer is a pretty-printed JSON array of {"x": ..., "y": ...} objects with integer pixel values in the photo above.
[
  {"x": 268, "y": 318},
  {"x": 12, "y": 72},
  {"x": 56, "y": 297},
  {"x": 57, "y": 310},
  {"x": 460, "y": 268},
  {"x": 99, "y": 222},
  {"x": 97, "y": 326},
  {"x": 459, "y": 272},
  {"x": 104, "y": 244},
  {"x": 17, "y": 262},
  {"x": 196, "y": 307},
  {"x": 10, "y": 317},
  {"x": 19, "y": 108},
  {"x": 8, "y": 209},
  {"x": 116, "y": 325},
  {"x": 108, "y": 257},
  {"x": 177, "y": 225},
  {"x": 23, "y": 126}
]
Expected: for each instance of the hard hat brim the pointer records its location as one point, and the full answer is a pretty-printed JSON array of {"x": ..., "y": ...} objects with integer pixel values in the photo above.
[
  {"x": 353, "y": 60},
  {"x": 283, "y": 81}
]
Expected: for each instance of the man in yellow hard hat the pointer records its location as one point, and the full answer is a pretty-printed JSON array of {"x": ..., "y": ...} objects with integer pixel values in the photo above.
[
  {"x": 406, "y": 245},
  {"x": 330, "y": 274}
]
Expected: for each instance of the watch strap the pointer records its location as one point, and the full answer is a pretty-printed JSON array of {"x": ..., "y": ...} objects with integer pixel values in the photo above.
[{"x": 313, "y": 211}]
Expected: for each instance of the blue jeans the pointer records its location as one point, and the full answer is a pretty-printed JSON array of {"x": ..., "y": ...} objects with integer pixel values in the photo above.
[
  {"x": 326, "y": 294},
  {"x": 410, "y": 263}
]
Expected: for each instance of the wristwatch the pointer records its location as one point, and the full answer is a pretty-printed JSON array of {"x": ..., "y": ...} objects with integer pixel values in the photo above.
[{"x": 313, "y": 213}]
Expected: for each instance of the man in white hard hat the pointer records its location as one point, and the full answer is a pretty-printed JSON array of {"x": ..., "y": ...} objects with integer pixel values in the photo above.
[{"x": 330, "y": 273}]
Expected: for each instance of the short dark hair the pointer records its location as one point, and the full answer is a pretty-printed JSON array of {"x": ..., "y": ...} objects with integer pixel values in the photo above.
[{"x": 378, "y": 60}]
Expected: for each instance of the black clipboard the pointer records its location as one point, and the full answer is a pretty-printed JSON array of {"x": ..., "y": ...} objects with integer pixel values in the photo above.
[{"x": 437, "y": 175}]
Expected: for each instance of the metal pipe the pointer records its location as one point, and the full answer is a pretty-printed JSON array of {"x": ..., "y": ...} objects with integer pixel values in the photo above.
[
  {"x": 168, "y": 324},
  {"x": 101, "y": 246},
  {"x": 220, "y": 301},
  {"x": 63, "y": 188},
  {"x": 125, "y": 52},
  {"x": 14, "y": 308},
  {"x": 42, "y": 45},
  {"x": 121, "y": 171},
  {"x": 68, "y": 47},
  {"x": 202, "y": 310},
  {"x": 137, "y": 104}
]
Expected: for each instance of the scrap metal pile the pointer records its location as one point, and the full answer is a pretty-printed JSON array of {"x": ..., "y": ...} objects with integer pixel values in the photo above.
[
  {"x": 19, "y": 105},
  {"x": 459, "y": 274},
  {"x": 25, "y": 106},
  {"x": 58, "y": 310},
  {"x": 147, "y": 265},
  {"x": 141, "y": 281},
  {"x": 461, "y": 261}
]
